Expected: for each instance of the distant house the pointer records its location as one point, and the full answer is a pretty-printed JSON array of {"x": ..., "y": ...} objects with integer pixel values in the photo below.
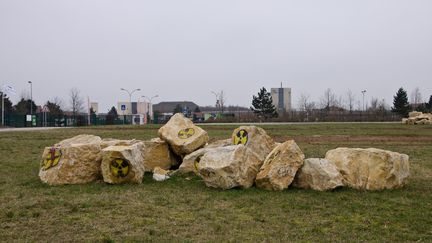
[{"x": 167, "y": 107}]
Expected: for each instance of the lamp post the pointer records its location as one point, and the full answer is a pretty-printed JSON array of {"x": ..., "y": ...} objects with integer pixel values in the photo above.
[
  {"x": 130, "y": 93},
  {"x": 363, "y": 92},
  {"x": 31, "y": 98},
  {"x": 148, "y": 104}
]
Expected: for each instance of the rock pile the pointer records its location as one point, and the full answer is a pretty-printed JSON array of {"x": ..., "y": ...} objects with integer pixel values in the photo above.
[
  {"x": 418, "y": 118},
  {"x": 249, "y": 157}
]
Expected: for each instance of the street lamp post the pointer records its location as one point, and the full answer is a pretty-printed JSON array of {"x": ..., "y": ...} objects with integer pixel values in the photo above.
[
  {"x": 148, "y": 104},
  {"x": 363, "y": 92},
  {"x": 31, "y": 98},
  {"x": 130, "y": 99}
]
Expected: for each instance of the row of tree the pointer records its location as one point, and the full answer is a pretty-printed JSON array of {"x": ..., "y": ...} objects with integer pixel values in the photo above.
[{"x": 262, "y": 104}]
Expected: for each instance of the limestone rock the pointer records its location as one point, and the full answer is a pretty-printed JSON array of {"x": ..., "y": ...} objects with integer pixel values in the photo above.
[
  {"x": 280, "y": 167},
  {"x": 122, "y": 164},
  {"x": 418, "y": 118},
  {"x": 370, "y": 169},
  {"x": 72, "y": 161},
  {"x": 318, "y": 174},
  {"x": 117, "y": 142},
  {"x": 220, "y": 143},
  {"x": 190, "y": 161},
  {"x": 254, "y": 138},
  {"x": 160, "y": 174},
  {"x": 156, "y": 153},
  {"x": 229, "y": 167},
  {"x": 182, "y": 135}
]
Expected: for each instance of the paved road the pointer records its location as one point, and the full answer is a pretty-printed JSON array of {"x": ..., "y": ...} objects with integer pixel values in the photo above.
[{"x": 28, "y": 129}]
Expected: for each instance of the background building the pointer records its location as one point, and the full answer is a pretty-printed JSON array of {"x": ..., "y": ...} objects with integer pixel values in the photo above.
[
  {"x": 136, "y": 110},
  {"x": 95, "y": 107},
  {"x": 281, "y": 99}
]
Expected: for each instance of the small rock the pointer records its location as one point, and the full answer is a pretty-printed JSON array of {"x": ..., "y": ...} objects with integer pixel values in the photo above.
[
  {"x": 280, "y": 167},
  {"x": 318, "y": 174},
  {"x": 182, "y": 135},
  {"x": 122, "y": 164},
  {"x": 160, "y": 174},
  {"x": 370, "y": 169}
]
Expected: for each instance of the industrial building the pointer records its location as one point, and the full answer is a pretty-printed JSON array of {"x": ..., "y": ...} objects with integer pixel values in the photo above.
[
  {"x": 137, "y": 110},
  {"x": 281, "y": 99}
]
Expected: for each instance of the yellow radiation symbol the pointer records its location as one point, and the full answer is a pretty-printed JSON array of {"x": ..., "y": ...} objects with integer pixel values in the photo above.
[
  {"x": 52, "y": 159},
  {"x": 119, "y": 168},
  {"x": 241, "y": 137},
  {"x": 197, "y": 162},
  {"x": 186, "y": 133}
]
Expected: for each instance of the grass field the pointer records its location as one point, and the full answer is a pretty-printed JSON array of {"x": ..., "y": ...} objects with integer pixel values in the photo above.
[{"x": 184, "y": 209}]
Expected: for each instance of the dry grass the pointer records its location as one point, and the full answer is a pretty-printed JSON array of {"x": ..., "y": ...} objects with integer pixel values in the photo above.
[{"x": 183, "y": 209}]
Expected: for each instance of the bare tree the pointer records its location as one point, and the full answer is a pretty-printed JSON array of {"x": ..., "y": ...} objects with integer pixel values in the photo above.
[
  {"x": 329, "y": 100},
  {"x": 350, "y": 99},
  {"x": 57, "y": 101},
  {"x": 220, "y": 100},
  {"x": 416, "y": 97},
  {"x": 76, "y": 101},
  {"x": 304, "y": 103}
]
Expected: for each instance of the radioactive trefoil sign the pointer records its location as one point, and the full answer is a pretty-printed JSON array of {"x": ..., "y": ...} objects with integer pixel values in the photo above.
[
  {"x": 119, "y": 167},
  {"x": 241, "y": 137}
]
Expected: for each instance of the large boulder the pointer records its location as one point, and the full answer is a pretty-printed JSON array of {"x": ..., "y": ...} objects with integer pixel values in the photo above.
[
  {"x": 156, "y": 153},
  {"x": 318, "y": 174},
  {"x": 117, "y": 142},
  {"x": 254, "y": 138},
  {"x": 229, "y": 167},
  {"x": 370, "y": 169},
  {"x": 190, "y": 161},
  {"x": 72, "y": 161},
  {"x": 182, "y": 135},
  {"x": 123, "y": 164},
  {"x": 280, "y": 167}
]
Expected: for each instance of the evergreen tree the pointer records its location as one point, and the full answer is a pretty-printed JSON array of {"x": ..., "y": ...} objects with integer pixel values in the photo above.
[
  {"x": 7, "y": 103},
  {"x": 429, "y": 104},
  {"x": 262, "y": 105},
  {"x": 54, "y": 108},
  {"x": 112, "y": 116},
  {"x": 400, "y": 103},
  {"x": 23, "y": 106}
]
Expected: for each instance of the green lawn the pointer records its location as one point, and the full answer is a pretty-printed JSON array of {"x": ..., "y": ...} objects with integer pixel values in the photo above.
[{"x": 184, "y": 209}]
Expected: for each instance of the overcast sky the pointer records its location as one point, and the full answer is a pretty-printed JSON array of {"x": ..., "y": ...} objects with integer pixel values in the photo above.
[{"x": 183, "y": 49}]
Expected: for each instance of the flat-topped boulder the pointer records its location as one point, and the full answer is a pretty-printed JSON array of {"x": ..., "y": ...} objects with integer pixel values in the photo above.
[
  {"x": 370, "y": 169},
  {"x": 229, "y": 167},
  {"x": 117, "y": 142},
  {"x": 318, "y": 174},
  {"x": 72, "y": 161},
  {"x": 123, "y": 164},
  {"x": 254, "y": 138},
  {"x": 183, "y": 136},
  {"x": 280, "y": 167},
  {"x": 156, "y": 153}
]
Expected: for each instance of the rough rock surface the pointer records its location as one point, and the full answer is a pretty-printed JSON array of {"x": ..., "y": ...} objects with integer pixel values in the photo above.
[
  {"x": 117, "y": 142},
  {"x": 418, "y": 118},
  {"x": 220, "y": 143},
  {"x": 122, "y": 164},
  {"x": 254, "y": 138},
  {"x": 318, "y": 174},
  {"x": 229, "y": 167},
  {"x": 182, "y": 135},
  {"x": 156, "y": 153},
  {"x": 72, "y": 161},
  {"x": 190, "y": 161},
  {"x": 280, "y": 167},
  {"x": 160, "y": 174},
  {"x": 370, "y": 169}
]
